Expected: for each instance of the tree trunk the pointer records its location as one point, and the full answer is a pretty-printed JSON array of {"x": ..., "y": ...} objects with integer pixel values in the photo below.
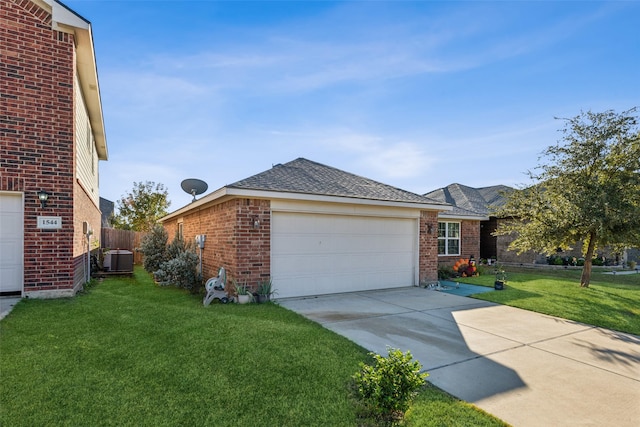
[{"x": 585, "y": 279}]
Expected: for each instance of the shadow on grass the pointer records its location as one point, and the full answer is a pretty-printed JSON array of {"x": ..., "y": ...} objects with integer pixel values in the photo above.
[{"x": 507, "y": 295}]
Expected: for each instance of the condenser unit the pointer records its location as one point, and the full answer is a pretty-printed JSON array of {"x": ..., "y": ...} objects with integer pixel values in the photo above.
[{"x": 118, "y": 260}]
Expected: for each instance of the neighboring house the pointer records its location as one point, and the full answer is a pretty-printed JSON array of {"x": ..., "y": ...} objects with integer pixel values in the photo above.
[
  {"x": 467, "y": 230},
  {"x": 314, "y": 229},
  {"x": 51, "y": 140},
  {"x": 107, "y": 208}
]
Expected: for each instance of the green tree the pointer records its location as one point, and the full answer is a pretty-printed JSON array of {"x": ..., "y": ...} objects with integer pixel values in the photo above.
[
  {"x": 141, "y": 208},
  {"x": 588, "y": 192}
]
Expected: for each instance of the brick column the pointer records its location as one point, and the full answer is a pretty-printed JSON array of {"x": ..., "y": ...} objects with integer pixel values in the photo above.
[{"x": 428, "y": 246}]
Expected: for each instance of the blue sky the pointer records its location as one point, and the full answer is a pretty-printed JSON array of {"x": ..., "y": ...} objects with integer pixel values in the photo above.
[{"x": 415, "y": 94}]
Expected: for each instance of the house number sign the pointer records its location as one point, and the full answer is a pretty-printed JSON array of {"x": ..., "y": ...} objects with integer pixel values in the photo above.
[{"x": 50, "y": 222}]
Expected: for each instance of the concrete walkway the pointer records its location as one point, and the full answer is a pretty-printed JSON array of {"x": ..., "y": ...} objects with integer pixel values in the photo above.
[
  {"x": 526, "y": 368},
  {"x": 6, "y": 305}
]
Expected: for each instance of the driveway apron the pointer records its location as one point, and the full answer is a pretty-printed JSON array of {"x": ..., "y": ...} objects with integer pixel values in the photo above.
[{"x": 526, "y": 368}]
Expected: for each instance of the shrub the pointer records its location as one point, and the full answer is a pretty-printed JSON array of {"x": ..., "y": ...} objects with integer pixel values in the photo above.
[
  {"x": 181, "y": 271},
  {"x": 154, "y": 248},
  {"x": 556, "y": 260},
  {"x": 482, "y": 270},
  {"x": 176, "y": 247},
  {"x": 632, "y": 265},
  {"x": 388, "y": 387},
  {"x": 445, "y": 272}
]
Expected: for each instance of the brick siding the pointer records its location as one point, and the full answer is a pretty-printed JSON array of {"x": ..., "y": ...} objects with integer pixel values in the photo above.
[
  {"x": 428, "y": 246},
  {"x": 37, "y": 139},
  {"x": 232, "y": 241}
]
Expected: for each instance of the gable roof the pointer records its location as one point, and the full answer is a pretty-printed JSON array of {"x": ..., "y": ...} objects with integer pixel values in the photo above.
[
  {"x": 303, "y": 179},
  {"x": 469, "y": 201},
  {"x": 305, "y": 176}
]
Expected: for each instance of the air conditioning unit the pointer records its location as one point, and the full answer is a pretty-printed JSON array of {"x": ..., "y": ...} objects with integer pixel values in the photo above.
[{"x": 118, "y": 260}]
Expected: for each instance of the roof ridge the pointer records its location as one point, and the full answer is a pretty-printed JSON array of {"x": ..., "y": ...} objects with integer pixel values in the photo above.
[{"x": 308, "y": 176}]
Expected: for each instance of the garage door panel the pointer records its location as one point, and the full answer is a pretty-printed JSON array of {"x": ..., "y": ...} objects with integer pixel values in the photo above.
[
  {"x": 315, "y": 254},
  {"x": 11, "y": 242}
]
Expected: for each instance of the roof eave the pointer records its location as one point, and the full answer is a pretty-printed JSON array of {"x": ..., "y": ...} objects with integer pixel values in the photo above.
[
  {"x": 231, "y": 192},
  {"x": 451, "y": 215},
  {"x": 270, "y": 194}
]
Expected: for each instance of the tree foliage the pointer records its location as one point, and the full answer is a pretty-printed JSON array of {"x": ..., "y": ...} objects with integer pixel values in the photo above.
[
  {"x": 141, "y": 208},
  {"x": 587, "y": 192}
]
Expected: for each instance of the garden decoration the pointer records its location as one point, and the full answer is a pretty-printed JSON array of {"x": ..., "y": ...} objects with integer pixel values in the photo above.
[
  {"x": 215, "y": 288},
  {"x": 466, "y": 267},
  {"x": 501, "y": 278}
]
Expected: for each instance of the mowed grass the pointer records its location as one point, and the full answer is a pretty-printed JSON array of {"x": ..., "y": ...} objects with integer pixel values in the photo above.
[
  {"x": 610, "y": 301},
  {"x": 128, "y": 353}
]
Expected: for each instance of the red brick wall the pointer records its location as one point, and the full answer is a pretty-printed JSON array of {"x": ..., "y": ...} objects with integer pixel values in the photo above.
[
  {"x": 232, "y": 241},
  {"x": 469, "y": 243},
  {"x": 84, "y": 210},
  {"x": 36, "y": 136},
  {"x": 428, "y": 246},
  {"x": 253, "y": 244}
]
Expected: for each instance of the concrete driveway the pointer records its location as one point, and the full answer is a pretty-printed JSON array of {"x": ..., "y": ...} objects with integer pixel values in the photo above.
[{"x": 526, "y": 368}]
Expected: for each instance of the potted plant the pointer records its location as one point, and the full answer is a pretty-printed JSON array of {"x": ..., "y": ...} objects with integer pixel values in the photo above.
[
  {"x": 265, "y": 290},
  {"x": 501, "y": 278},
  {"x": 243, "y": 291}
]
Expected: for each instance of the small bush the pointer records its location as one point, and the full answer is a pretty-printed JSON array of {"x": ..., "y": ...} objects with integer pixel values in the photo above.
[
  {"x": 388, "y": 387},
  {"x": 482, "y": 270},
  {"x": 181, "y": 271},
  {"x": 445, "y": 272},
  {"x": 154, "y": 248},
  {"x": 176, "y": 247}
]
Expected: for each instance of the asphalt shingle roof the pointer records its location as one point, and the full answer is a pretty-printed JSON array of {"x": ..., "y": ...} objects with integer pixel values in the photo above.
[
  {"x": 308, "y": 177},
  {"x": 469, "y": 200}
]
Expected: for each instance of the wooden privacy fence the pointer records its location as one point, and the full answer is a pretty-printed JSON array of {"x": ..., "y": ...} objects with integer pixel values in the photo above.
[{"x": 123, "y": 239}]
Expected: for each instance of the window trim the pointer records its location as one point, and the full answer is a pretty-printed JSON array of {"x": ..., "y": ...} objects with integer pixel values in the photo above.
[{"x": 446, "y": 238}]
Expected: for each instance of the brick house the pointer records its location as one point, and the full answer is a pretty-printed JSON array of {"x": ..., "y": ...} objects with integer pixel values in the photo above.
[
  {"x": 466, "y": 230},
  {"x": 314, "y": 229},
  {"x": 472, "y": 210},
  {"x": 51, "y": 139}
]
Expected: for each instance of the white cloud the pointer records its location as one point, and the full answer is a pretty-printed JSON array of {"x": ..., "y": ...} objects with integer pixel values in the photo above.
[{"x": 384, "y": 157}]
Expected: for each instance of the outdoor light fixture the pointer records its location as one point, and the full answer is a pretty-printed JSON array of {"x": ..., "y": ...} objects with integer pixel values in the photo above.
[
  {"x": 256, "y": 222},
  {"x": 43, "y": 196},
  {"x": 429, "y": 228}
]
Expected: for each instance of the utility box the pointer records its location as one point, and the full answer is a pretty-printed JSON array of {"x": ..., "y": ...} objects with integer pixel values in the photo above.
[{"x": 118, "y": 260}]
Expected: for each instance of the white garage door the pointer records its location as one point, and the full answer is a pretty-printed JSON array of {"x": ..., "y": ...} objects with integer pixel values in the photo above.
[
  {"x": 314, "y": 254},
  {"x": 11, "y": 243}
]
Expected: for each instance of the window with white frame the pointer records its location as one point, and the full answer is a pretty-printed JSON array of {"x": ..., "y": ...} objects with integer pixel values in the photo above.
[{"x": 448, "y": 238}]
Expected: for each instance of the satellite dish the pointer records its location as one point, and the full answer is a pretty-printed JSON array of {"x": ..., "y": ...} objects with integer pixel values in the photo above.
[{"x": 194, "y": 187}]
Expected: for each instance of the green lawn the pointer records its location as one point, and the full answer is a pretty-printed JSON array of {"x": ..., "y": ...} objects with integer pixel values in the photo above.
[
  {"x": 128, "y": 353},
  {"x": 610, "y": 302}
]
